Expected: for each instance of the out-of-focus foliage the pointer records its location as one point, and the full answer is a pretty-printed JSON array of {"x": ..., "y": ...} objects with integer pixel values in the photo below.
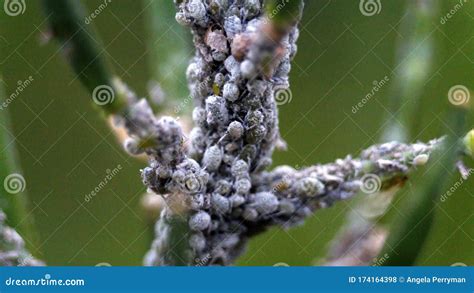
[{"x": 66, "y": 149}]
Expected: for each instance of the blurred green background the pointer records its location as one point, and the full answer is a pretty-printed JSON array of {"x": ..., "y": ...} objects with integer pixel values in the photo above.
[{"x": 66, "y": 148}]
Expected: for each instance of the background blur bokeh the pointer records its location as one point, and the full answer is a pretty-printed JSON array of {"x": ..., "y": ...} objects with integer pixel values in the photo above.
[{"x": 66, "y": 148}]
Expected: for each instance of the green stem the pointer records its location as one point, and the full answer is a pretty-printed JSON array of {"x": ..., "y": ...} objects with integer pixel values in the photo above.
[
  {"x": 67, "y": 23},
  {"x": 13, "y": 203},
  {"x": 416, "y": 57},
  {"x": 410, "y": 231},
  {"x": 170, "y": 48}
]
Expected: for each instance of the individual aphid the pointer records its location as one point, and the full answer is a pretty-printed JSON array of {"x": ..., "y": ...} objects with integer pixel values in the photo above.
[
  {"x": 264, "y": 202},
  {"x": 231, "y": 92},
  {"x": 223, "y": 187},
  {"x": 240, "y": 169},
  {"x": 242, "y": 186},
  {"x": 219, "y": 203},
  {"x": 421, "y": 159},
  {"x": 309, "y": 187},
  {"x": 212, "y": 158},
  {"x": 232, "y": 26},
  {"x": 235, "y": 130},
  {"x": 219, "y": 79},
  {"x": 236, "y": 200},
  {"x": 216, "y": 110},
  {"x": 199, "y": 221},
  {"x": 232, "y": 66},
  {"x": 195, "y": 182},
  {"x": 197, "y": 11}
]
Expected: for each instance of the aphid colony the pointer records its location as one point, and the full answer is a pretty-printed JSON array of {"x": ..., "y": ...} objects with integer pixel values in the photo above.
[
  {"x": 236, "y": 126},
  {"x": 222, "y": 172}
]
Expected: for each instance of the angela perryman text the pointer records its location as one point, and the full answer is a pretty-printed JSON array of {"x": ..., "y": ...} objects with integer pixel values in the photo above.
[{"x": 409, "y": 279}]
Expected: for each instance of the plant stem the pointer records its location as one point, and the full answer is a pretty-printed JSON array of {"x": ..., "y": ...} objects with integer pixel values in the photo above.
[
  {"x": 416, "y": 57},
  {"x": 170, "y": 48},
  {"x": 13, "y": 204},
  {"x": 410, "y": 231},
  {"x": 67, "y": 24}
]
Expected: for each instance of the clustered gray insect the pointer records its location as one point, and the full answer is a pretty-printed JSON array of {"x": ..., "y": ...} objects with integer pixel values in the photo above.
[
  {"x": 222, "y": 174},
  {"x": 236, "y": 126},
  {"x": 12, "y": 247}
]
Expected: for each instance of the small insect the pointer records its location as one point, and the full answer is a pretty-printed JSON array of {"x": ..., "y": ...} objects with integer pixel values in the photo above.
[
  {"x": 242, "y": 186},
  {"x": 212, "y": 158},
  {"x": 310, "y": 187},
  {"x": 219, "y": 203},
  {"x": 421, "y": 160},
  {"x": 199, "y": 221},
  {"x": 235, "y": 130},
  {"x": 231, "y": 92},
  {"x": 240, "y": 169},
  {"x": 264, "y": 202}
]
